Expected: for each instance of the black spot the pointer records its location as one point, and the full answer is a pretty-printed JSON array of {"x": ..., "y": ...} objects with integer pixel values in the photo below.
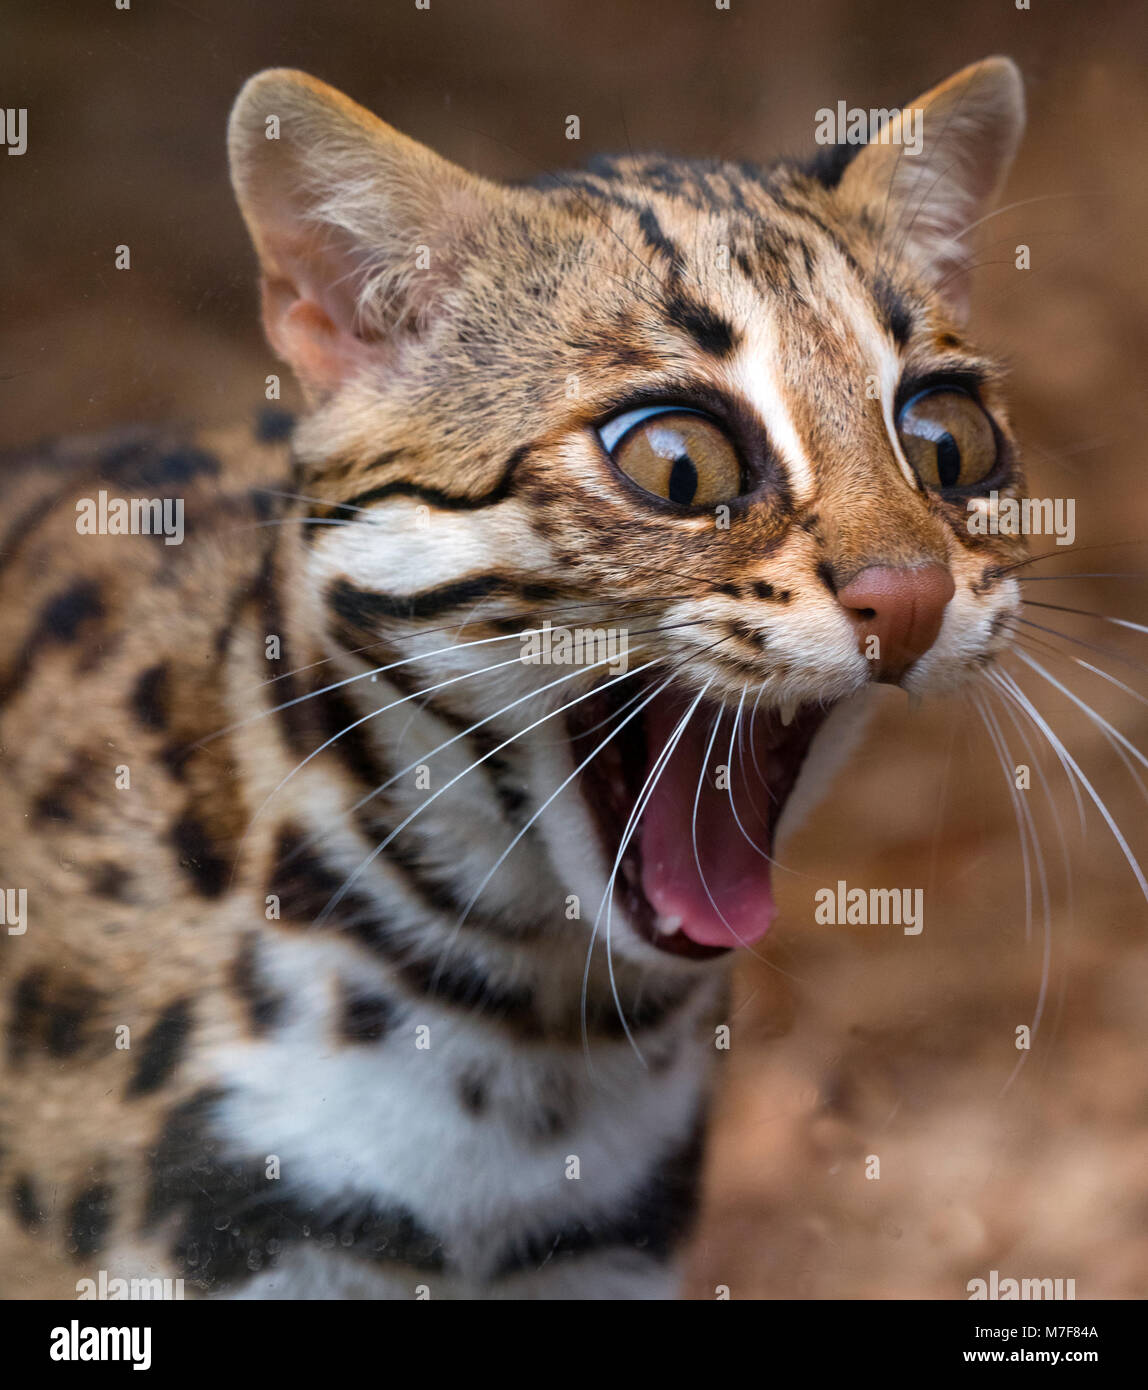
[
  {"x": 272, "y": 426},
  {"x": 264, "y": 1005},
  {"x": 150, "y": 697},
  {"x": 198, "y": 856},
  {"x": 472, "y": 1092},
  {"x": 175, "y": 757},
  {"x": 62, "y": 616},
  {"x": 263, "y": 504},
  {"x": 162, "y": 1050},
  {"x": 54, "y": 802},
  {"x": 110, "y": 880},
  {"x": 27, "y": 1004},
  {"x": 827, "y": 577},
  {"x": 26, "y": 1203},
  {"x": 709, "y": 330},
  {"x": 364, "y": 1017},
  {"x": 49, "y": 1016},
  {"x": 60, "y": 620},
  {"x": 65, "y": 1015},
  {"x": 89, "y": 1219}
]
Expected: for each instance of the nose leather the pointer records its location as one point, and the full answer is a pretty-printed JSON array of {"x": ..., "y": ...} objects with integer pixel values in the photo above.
[{"x": 902, "y": 608}]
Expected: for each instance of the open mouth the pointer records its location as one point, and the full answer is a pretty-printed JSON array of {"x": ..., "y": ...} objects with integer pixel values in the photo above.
[{"x": 694, "y": 877}]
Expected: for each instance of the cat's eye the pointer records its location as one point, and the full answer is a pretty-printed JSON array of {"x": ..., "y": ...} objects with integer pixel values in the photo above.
[
  {"x": 948, "y": 438},
  {"x": 677, "y": 454}
]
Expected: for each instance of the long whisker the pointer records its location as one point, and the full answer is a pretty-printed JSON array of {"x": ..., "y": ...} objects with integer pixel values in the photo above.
[
  {"x": 395, "y": 638},
  {"x": 1088, "y": 646},
  {"x": 474, "y": 897},
  {"x": 338, "y": 896},
  {"x": 1087, "y": 613},
  {"x": 606, "y": 904},
  {"x": 1009, "y": 682},
  {"x": 1021, "y": 806},
  {"x": 371, "y": 714},
  {"x": 729, "y": 784},
  {"x": 1098, "y": 720}
]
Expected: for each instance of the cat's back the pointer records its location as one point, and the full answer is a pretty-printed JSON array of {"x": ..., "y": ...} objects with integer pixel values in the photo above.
[{"x": 125, "y": 563}]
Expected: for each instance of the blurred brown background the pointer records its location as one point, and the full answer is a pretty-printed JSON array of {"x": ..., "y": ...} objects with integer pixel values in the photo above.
[{"x": 847, "y": 1042}]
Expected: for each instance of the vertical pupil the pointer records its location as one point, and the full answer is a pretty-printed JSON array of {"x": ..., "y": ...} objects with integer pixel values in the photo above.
[
  {"x": 683, "y": 480},
  {"x": 948, "y": 461}
]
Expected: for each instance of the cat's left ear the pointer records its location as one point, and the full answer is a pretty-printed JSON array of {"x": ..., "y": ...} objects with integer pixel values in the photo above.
[
  {"x": 358, "y": 229},
  {"x": 937, "y": 168}
]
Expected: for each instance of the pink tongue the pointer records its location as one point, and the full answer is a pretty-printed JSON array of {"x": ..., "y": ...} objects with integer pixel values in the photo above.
[{"x": 733, "y": 906}]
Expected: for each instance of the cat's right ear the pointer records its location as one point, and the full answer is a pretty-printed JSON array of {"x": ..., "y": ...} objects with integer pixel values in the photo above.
[
  {"x": 929, "y": 179},
  {"x": 353, "y": 224}
]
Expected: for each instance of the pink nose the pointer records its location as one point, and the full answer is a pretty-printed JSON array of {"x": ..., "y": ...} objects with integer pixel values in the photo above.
[{"x": 902, "y": 609}]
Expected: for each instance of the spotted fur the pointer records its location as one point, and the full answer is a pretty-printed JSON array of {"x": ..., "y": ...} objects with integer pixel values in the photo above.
[{"x": 348, "y": 1075}]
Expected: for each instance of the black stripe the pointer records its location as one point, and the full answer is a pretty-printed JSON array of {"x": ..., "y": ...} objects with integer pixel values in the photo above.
[
  {"x": 446, "y": 501},
  {"x": 162, "y": 1050},
  {"x": 364, "y": 1015},
  {"x": 361, "y": 612},
  {"x": 652, "y": 230},
  {"x": 232, "y": 1220},
  {"x": 652, "y": 1222},
  {"x": 264, "y": 1005},
  {"x": 306, "y": 884},
  {"x": 283, "y": 689},
  {"x": 709, "y": 330},
  {"x": 897, "y": 314}
]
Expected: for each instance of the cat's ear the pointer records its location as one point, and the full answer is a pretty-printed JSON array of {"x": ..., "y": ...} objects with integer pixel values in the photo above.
[
  {"x": 353, "y": 224},
  {"x": 937, "y": 169}
]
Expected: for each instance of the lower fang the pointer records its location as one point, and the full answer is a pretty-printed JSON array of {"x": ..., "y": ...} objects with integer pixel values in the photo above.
[
  {"x": 666, "y": 926},
  {"x": 786, "y": 712}
]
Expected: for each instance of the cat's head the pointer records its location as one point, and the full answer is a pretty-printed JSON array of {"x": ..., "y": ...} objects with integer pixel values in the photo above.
[{"x": 729, "y": 414}]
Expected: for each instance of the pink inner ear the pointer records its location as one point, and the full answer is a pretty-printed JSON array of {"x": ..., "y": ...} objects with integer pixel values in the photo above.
[
  {"x": 309, "y": 305},
  {"x": 303, "y": 334}
]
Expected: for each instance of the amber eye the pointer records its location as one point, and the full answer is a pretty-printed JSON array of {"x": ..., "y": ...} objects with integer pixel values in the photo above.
[
  {"x": 947, "y": 438},
  {"x": 679, "y": 455}
]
